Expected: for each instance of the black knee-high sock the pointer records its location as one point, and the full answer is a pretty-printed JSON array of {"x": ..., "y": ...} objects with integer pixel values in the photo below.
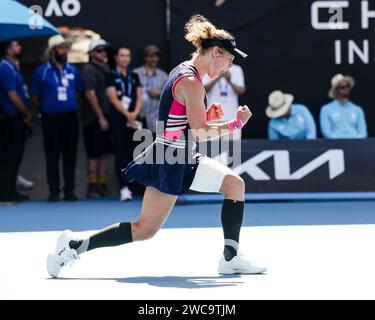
[
  {"x": 231, "y": 219},
  {"x": 112, "y": 236}
]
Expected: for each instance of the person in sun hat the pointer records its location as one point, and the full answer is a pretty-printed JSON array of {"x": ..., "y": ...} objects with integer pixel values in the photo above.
[
  {"x": 288, "y": 120},
  {"x": 55, "y": 89},
  {"x": 54, "y": 42},
  {"x": 341, "y": 118}
]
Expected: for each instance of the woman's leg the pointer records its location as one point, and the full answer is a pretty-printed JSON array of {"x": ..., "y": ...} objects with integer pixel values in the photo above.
[
  {"x": 151, "y": 219},
  {"x": 232, "y": 212},
  {"x": 212, "y": 176}
]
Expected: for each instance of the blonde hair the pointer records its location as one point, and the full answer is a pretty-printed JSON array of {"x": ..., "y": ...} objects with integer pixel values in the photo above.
[{"x": 198, "y": 29}]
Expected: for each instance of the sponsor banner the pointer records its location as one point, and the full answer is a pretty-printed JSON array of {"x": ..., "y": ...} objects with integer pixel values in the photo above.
[{"x": 306, "y": 166}]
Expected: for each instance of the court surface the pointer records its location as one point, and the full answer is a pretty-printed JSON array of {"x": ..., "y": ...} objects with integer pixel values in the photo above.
[{"x": 313, "y": 250}]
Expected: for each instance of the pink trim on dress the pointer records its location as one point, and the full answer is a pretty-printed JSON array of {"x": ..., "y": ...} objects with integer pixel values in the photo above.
[
  {"x": 173, "y": 135},
  {"x": 177, "y": 109}
]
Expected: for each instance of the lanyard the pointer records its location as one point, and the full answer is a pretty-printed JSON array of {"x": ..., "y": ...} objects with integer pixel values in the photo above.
[
  {"x": 123, "y": 88},
  {"x": 58, "y": 80},
  {"x": 223, "y": 89}
]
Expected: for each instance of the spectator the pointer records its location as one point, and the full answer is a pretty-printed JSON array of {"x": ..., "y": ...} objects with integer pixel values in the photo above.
[
  {"x": 22, "y": 183},
  {"x": 342, "y": 119},
  {"x": 15, "y": 115},
  {"x": 288, "y": 120},
  {"x": 56, "y": 86},
  {"x": 125, "y": 94},
  {"x": 94, "y": 116},
  {"x": 152, "y": 80},
  {"x": 226, "y": 90}
]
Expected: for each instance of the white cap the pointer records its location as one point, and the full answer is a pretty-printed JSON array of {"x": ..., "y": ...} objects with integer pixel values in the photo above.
[{"x": 97, "y": 43}]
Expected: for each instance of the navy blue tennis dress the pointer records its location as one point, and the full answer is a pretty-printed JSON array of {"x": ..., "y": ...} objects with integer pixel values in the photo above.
[{"x": 151, "y": 167}]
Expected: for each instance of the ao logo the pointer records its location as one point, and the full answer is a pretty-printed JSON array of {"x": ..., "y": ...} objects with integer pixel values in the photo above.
[
  {"x": 59, "y": 8},
  {"x": 68, "y": 7}
]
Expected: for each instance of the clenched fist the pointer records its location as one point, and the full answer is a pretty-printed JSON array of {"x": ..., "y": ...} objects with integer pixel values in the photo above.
[
  {"x": 215, "y": 112},
  {"x": 244, "y": 114}
]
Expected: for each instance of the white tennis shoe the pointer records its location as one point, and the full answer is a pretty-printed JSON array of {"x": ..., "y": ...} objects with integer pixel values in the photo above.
[
  {"x": 126, "y": 194},
  {"x": 63, "y": 254},
  {"x": 239, "y": 265},
  {"x": 24, "y": 184}
]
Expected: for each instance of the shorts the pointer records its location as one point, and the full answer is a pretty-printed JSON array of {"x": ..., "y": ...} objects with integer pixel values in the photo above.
[{"x": 97, "y": 142}]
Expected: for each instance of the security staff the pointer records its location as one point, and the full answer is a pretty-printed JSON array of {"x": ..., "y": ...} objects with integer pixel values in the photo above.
[
  {"x": 289, "y": 121},
  {"x": 341, "y": 118},
  {"x": 55, "y": 88},
  {"x": 125, "y": 94},
  {"x": 15, "y": 114}
]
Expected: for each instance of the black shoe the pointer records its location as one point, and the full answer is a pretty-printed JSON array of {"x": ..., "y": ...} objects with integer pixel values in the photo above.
[
  {"x": 22, "y": 197},
  {"x": 13, "y": 198},
  {"x": 9, "y": 199},
  {"x": 70, "y": 197},
  {"x": 53, "y": 197},
  {"x": 103, "y": 190},
  {"x": 92, "y": 191}
]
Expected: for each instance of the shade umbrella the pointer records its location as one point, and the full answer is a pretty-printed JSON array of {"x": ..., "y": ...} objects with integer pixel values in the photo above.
[{"x": 18, "y": 21}]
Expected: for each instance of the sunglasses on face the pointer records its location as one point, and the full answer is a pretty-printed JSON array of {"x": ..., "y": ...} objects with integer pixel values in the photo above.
[
  {"x": 100, "y": 50},
  {"x": 346, "y": 86}
]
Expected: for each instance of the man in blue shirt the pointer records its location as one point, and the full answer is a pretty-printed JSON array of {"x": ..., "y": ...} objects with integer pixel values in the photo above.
[
  {"x": 288, "y": 120},
  {"x": 55, "y": 88},
  {"x": 342, "y": 119},
  {"x": 14, "y": 103}
]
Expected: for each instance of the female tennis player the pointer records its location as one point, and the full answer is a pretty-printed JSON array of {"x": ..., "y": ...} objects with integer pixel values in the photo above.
[{"x": 184, "y": 114}]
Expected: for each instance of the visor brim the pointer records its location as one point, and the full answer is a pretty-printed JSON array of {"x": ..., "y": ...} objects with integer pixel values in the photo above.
[{"x": 240, "y": 53}]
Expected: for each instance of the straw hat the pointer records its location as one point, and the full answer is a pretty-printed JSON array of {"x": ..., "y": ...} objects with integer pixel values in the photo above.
[
  {"x": 279, "y": 104},
  {"x": 56, "y": 41},
  {"x": 336, "y": 81}
]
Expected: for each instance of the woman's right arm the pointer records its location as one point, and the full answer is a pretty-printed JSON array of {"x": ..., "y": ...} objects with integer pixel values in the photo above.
[
  {"x": 192, "y": 93},
  {"x": 112, "y": 97}
]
